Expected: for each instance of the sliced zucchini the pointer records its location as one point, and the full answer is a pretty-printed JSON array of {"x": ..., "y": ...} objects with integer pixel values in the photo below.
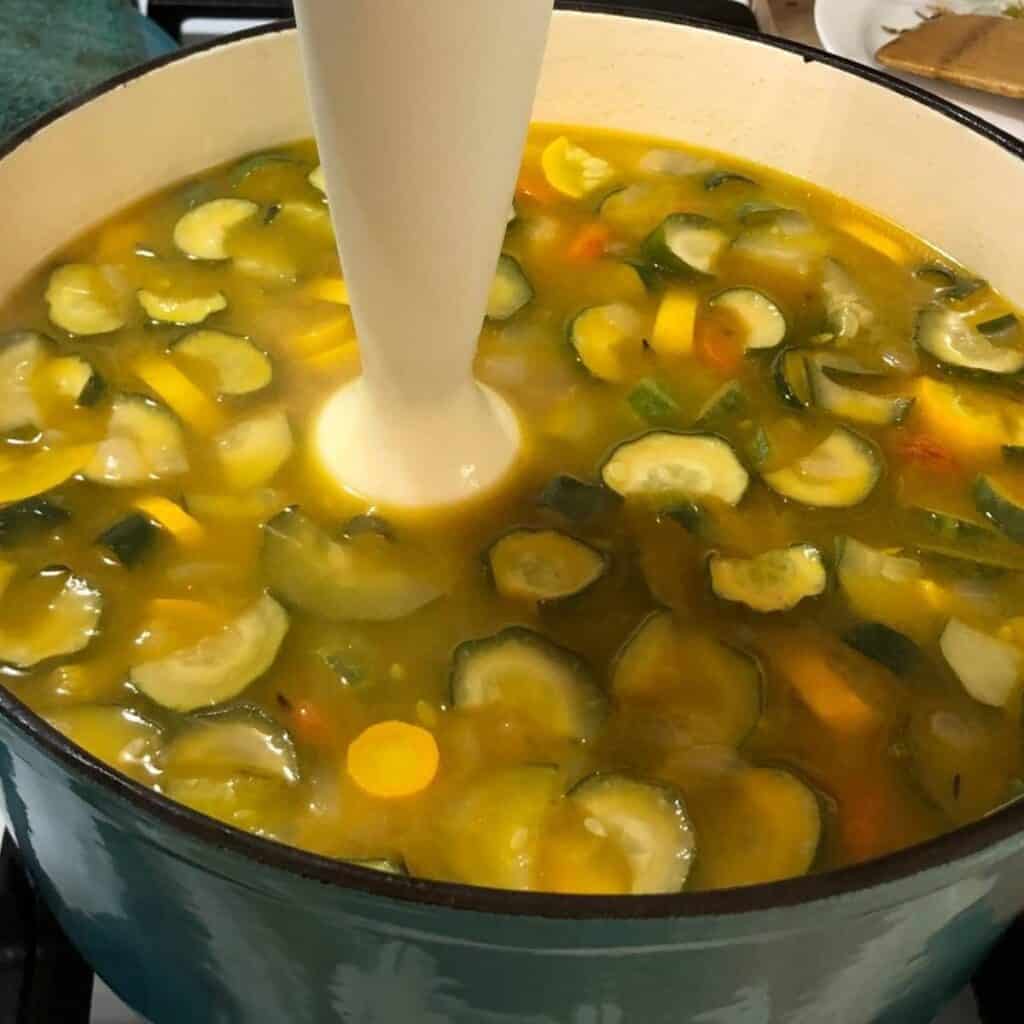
[
  {"x": 252, "y": 451},
  {"x": 257, "y": 506},
  {"x": 648, "y": 821},
  {"x": 130, "y": 539},
  {"x": 686, "y": 243},
  {"x": 523, "y": 672},
  {"x": 220, "y": 666},
  {"x": 29, "y": 518},
  {"x": 713, "y": 691},
  {"x": 951, "y": 286},
  {"x": 511, "y": 290},
  {"x": 144, "y": 442},
  {"x": 84, "y": 299},
  {"x": 181, "y": 311},
  {"x": 775, "y": 581},
  {"x": 764, "y": 325},
  {"x": 544, "y": 567},
  {"x": 717, "y": 179},
  {"x": 674, "y": 162},
  {"x": 1001, "y": 508},
  {"x": 577, "y": 501},
  {"x": 952, "y": 530},
  {"x": 364, "y": 580},
  {"x": 840, "y": 473},
  {"x": 851, "y": 403},
  {"x": 784, "y": 241},
  {"x": 651, "y": 401},
  {"x": 949, "y": 337},
  {"x": 793, "y": 378},
  {"x": 257, "y": 162},
  {"x": 75, "y": 379},
  {"x": 22, "y": 353},
  {"x": 727, "y": 404},
  {"x": 202, "y": 232},
  {"x": 989, "y": 669},
  {"x": 664, "y": 466},
  {"x": 30, "y": 475},
  {"x": 1002, "y": 328},
  {"x": 608, "y": 340},
  {"x": 846, "y": 308},
  {"x": 56, "y": 614},
  {"x": 232, "y": 743},
  {"x": 887, "y": 646},
  {"x": 235, "y": 365}
]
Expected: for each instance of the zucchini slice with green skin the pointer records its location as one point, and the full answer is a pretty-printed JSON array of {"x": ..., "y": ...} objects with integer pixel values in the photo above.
[
  {"x": 544, "y": 567},
  {"x": 235, "y": 364},
  {"x": 763, "y": 322},
  {"x": 1002, "y": 509},
  {"x": 252, "y": 451},
  {"x": 648, "y": 821},
  {"x": 366, "y": 579},
  {"x": 666, "y": 466},
  {"x": 714, "y": 692},
  {"x": 75, "y": 379},
  {"x": 65, "y": 625},
  {"x": 29, "y": 518},
  {"x": 953, "y": 341},
  {"x": 130, "y": 539},
  {"x": 184, "y": 312},
  {"x": 84, "y": 299},
  {"x": 792, "y": 378},
  {"x": 521, "y": 671},
  {"x": 202, "y": 232},
  {"x": 685, "y": 243},
  {"x": 577, "y": 501},
  {"x": 144, "y": 442},
  {"x": 728, "y": 403},
  {"x": 651, "y": 401},
  {"x": 220, "y": 666},
  {"x": 511, "y": 290},
  {"x": 851, "y": 403},
  {"x": 1002, "y": 327},
  {"x": 840, "y": 473},
  {"x": 847, "y": 310},
  {"x": 608, "y": 340},
  {"x": 719, "y": 178},
  {"x": 989, "y": 669},
  {"x": 887, "y": 646},
  {"x": 775, "y": 581},
  {"x": 952, "y": 529},
  {"x": 22, "y": 353}
]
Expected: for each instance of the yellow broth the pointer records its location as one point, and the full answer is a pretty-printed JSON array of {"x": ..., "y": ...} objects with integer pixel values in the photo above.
[{"x": 843, "y": 757}]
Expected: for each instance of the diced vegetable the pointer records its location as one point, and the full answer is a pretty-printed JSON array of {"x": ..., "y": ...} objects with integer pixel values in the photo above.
[
  {"x": 182, "y": 311},
  {"x": 511, "y": 290},
  {"x": 258, "y": 506},
  {"x": 849, "y": 314},
  {"x": 365, "y": 579},
  {"x": 664, "y": 466},
  {"x": 674, "y": 325},
  {"x": 686, "y": 243},
  {"x": 950, "y": 338},
  {"x": 576, "y": 501},
  {"x": 712, "y": 690},
  {"x": 130, "y": 539},
  {"x": 172, "y": 517},
  {"x": 648, "y": 821},
  {"x": 792, "y": 377},
  {"x": 29, "y": 518},
  {"x": 573, "y": 171},
  {"x": 236, "y": 365},
  {"x": 763, "y": 323},
  {"x": 85, "y": 300},
  {"x": 841, "y": 472},
  {"x": 717, "y": 179},
  {"x": 968, "y": 421},
  {"x": 393, "y": 760},
  {"x": 727, "y": 404},
  {"x": 202, "y": 232},
  {"x": 608, "y": 340},
  {"x": 775, "y": 581},
  {"x": 783, "y": 243},
  {"x": 252, "y": 451},
  {"x": 880, "y": 643},
  {"x": 651, "y": 401},
  {"x": 589, "y": 244},
  {"x": 26, "y": 476},
  {"x": 179, "y": 393},
  {"x": 852, "y": 403},
  {"x": 57, "y": 614},
  {"x": 75, "y": 379},
  {"x": 21, "y": 355},
  {"x": 1002, "y": 328},
  {"x": 544, "y": 567},
  {"x": 144, "y": 442},
  {"x": 989, "y": 669},
  {"x": 523, "y": 672},
  {"x": 220, "y": 666},
  {"x": 1004, "y": 509}
]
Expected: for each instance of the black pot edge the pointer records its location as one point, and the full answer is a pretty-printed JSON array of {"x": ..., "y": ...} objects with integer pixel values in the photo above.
[{"x": 964, "y": 842}]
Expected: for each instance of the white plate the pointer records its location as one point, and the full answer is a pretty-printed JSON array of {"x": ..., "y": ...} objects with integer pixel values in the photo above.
[{"x": 854, "y": 29}]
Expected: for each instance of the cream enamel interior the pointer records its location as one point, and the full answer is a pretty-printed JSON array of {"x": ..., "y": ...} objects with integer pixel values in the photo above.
[{"x": 948, "y": 184}]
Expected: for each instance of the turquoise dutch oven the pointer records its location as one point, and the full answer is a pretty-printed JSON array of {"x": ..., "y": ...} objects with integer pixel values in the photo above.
[{"x": 191, "y": 921}]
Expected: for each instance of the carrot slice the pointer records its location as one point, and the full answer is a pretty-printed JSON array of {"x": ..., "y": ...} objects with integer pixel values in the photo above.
[
  {"x": 393, "y": 759},
  {"x": 826, "y": 693},
  {"x": 589, "y": 243},
  {"x": 718, "y": 346}
]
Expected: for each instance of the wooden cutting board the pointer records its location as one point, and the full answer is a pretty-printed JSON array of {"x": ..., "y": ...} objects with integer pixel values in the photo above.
[{"x": 978, "y": 51}]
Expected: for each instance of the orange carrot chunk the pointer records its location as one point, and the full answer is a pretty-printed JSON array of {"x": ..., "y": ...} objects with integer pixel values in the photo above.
[
  {"x": 391, "y": 760},
  {"x": 589, "y": 243}
]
